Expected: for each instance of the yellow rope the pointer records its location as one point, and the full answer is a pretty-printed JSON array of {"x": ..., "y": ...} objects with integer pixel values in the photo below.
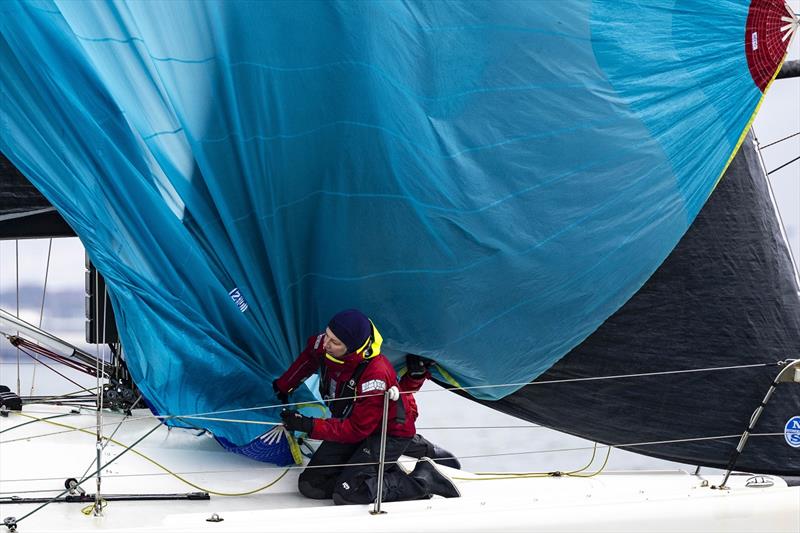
[
  {"x": 164, "y": 468},
  {"x": 490, "y": 476},
  {"x": 90, "y": 508}
]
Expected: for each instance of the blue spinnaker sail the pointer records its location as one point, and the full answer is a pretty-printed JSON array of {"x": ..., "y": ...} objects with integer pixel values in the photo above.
[{"x": 489, "y": 181}]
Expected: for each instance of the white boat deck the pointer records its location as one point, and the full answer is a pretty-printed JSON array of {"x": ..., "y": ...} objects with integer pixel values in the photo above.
[{"x": 614, "y": 501}]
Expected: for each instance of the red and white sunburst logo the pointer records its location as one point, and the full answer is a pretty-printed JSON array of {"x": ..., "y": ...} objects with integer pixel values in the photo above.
[{"x": 769, "y": 30}]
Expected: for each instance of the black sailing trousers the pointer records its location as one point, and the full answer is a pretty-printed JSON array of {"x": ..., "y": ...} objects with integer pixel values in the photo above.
[{"x": 357, "y": 484}]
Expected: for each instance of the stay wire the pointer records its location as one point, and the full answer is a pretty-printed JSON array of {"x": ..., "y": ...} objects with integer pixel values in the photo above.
[
  {"x": 779, "y": 140},
  {"x": 477, "y": 456},
  {"x": 41, "y": 309},
  {"x": 99, "y": 435},
  {"x": 622, "y": 376},
  {"x": 65, "y": 491},
  {"x": 513, "y": 475},
  {"x": 475, "y": 387},
  {"x": 16, "y": 264},
  {"x": 34, "y": 421},
  {"x": 777, "y": 210},
  {"x": 111, "y": 437},
  {"x": 167, "y": 470},
  {"x": 783, "y": 165},
  {"x": 26, "y": 352},
  {"x": 201, "y": 416}
]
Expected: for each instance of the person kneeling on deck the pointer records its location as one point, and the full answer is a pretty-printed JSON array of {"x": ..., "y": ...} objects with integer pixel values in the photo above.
[{"x": 354, "y": 377}]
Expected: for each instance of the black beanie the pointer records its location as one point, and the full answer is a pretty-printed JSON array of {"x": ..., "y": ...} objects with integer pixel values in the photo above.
[{"x": 352, "y": 327}]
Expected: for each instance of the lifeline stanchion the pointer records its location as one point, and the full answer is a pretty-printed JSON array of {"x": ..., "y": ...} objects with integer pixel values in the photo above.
[
  {"x": 789, "y": 374},
  {"x": 382, "y": 458}
]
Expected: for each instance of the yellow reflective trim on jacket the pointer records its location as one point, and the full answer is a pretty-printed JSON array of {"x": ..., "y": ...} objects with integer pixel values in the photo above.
[{"x": 329, "y": 357}]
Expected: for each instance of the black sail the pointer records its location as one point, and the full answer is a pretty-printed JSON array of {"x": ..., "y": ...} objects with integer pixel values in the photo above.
[
  {"x": 726, "y": 296},
  {"x": 24, "y": 212}
]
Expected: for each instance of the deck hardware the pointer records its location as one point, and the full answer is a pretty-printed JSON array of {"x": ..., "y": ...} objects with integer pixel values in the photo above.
[
  {"x": 381, "y": 460},
  {"x": 11, "y": 523},
  {"x": 789, "y": 374},
  {"x": 214, "y": 518},
  {"x": 759, "y": 482},
  {"x": 72, "y": 484}
]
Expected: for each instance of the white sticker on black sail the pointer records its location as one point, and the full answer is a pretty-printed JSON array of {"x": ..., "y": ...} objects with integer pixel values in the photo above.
[{"x": 238, "y": 299}]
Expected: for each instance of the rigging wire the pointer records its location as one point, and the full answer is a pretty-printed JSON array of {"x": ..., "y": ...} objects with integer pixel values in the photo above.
[
  {"x": 98, "y": 502},
  {"x": 16, "y": 265},
  {"x": 62, "y": 432},
  {"x": 197, "y": 416},
  {"x": 779, "y": 140},
  {"x": 164, "y": 417},
  {"x": 41, "y": 310},
  {"x": 34, "y": 421},
  {"x": 490, "y": 475},
  {"x": 66, "y": 395},
  {"x": 528, "y": 384},
  {"x": 777, "y": 211},
  {"x": 475, "y": 456},
  {"x": 123, "y": 452},
  {"x": 172, "y": 473},
  {"x": 201, "y": 416},
  {"x": 783, "y": 165},
  {"x": 98, "y": 505},
  {"x": 111, "y": 437},
  {"x": 26, "y": 352}
]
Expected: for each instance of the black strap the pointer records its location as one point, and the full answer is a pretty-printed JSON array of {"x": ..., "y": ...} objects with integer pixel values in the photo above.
[
  {"x": 349, "y": 391},
  {"x": 343, "y": 408}
]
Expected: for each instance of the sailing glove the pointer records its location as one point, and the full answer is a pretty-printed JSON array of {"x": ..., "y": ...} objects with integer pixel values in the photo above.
[
  {"x": 282, "y": 396},
  {"x": 294, "y": 421},
  {"x": 417, "y": 366}
]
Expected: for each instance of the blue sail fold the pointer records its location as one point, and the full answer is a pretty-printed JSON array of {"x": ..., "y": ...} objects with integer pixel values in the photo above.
[{"x": 489, "y": 181}]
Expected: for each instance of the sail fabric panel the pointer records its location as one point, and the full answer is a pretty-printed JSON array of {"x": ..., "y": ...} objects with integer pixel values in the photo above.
[
  {"x": 480, "y": 178},
  {"x": 727, "y": 296},
  {"x": 24, "y": 212}
]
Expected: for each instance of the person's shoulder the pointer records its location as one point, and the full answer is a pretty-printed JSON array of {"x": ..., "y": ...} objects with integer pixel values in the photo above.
[
  {"x": 315, "y": 343},
  {"x": 380, "y": 368}
]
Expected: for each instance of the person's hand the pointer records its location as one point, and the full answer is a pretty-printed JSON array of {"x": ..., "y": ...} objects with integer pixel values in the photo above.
[
  {"x": 294, "y": 421},
  {"x": 282, "y": 396},
  {"x": 417, "y": 366}
]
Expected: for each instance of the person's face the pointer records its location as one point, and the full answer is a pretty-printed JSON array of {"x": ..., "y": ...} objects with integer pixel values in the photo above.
[{"x": 333, "y": 345}]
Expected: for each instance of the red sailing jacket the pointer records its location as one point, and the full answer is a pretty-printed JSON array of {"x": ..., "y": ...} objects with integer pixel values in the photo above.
[{"x": 365, "y": 417}]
